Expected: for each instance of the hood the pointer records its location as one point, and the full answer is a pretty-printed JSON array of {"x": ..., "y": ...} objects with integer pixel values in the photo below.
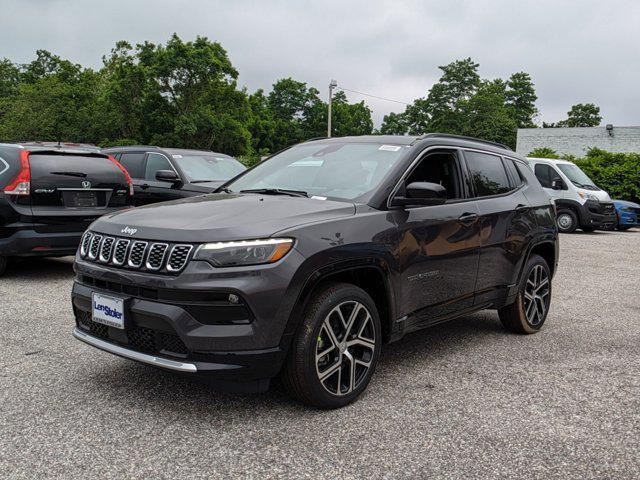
[
  {"x": 625, "y": 203},
  {"x": 219, "y": 217}
]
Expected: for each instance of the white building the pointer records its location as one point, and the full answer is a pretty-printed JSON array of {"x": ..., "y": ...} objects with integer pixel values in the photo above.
[{"x": 576, "y": 141}]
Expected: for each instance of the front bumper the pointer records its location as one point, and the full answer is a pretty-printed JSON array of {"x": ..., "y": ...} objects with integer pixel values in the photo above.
[
  {"x": 598, "y": 215},
  {"x": 629, "y": 218}
]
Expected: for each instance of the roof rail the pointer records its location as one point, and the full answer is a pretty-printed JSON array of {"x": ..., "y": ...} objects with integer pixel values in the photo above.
[
  {"x": 462, "y": 137},
  {"x": 131, "y": 146}
]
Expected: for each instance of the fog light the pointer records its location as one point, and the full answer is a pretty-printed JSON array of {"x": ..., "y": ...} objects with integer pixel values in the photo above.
[{"x": 233, "y": 298}]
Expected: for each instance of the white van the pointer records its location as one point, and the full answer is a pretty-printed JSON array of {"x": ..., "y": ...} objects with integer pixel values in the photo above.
[{"x": 580, "y": 203}]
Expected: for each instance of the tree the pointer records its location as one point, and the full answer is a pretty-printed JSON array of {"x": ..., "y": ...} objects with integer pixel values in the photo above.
[
  {"x": 521, "y": 97},
  {"x": 582, "y": 115},
  {"x": 543, "y": 152},
  {"x": 394, "y": 124},
  {"x": 350, "y": 119}
]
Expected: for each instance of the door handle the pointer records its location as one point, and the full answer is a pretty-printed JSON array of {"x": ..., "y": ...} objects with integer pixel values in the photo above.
[
  {"x": 468, "y": 218},
  {"x": 522, "y": 208}
]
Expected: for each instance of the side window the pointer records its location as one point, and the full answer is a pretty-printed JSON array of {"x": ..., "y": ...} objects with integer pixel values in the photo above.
[
  {"x": 441, "y": 168},
  {"x": 514, "y": 172},
  {"x": 155, "y": 162},
  {"x": 545, "y": 174},
  {"x": 488, "y": 175},
  {"x": 134, "y": 163}
]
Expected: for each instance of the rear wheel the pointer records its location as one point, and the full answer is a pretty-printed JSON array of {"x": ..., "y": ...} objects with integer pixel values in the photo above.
[
  {"x": 529, "y": 312},
  {"x": 336, "y": 349},
  {"x": 567, "y": 220}
]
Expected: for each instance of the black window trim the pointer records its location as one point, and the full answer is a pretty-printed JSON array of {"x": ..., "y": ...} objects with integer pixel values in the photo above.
[{"x": 468, "y": 172}]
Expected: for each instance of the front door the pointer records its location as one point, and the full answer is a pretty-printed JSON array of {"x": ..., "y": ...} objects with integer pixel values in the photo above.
[{"x": 438, "y": 246}]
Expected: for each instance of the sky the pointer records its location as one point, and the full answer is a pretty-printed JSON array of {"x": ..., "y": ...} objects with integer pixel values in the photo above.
[{"x": 575, "y": 51}]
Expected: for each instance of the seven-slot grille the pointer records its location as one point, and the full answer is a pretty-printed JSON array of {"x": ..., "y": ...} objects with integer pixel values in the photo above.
[{"x": 135, "y": 254}]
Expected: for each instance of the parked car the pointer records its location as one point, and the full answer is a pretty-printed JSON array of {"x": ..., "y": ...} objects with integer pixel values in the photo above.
[
  {"x": 311, "y": 260},
  {"x": 628, "y": 214},
  {"x": 49, "y": 195},
  {"x": 161, "y": 174},
  {"x": 580, "y": 203}
]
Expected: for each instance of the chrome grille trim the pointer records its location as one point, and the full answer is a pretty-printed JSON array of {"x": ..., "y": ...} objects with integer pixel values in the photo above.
[
  {"x": 138, "y": 248},
  {"x": 84, "y": 245},
  {"x": 94, "y": 249},
  {"x": 120, "y": 251},
  {"x": 178, "y": 257},
  {"x": 106, "y": 249},
  {"x": 151, "y": 263}
]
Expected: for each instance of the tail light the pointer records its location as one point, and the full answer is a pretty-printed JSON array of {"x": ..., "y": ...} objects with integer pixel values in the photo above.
[
  {"x": 21, "y": 184},
  {"x": 124, "y": 171}
]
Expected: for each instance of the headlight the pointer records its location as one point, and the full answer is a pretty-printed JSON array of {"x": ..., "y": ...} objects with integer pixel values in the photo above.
[
  {"x": 245, "y": 252},
  {"x": 588, "y": 196}
]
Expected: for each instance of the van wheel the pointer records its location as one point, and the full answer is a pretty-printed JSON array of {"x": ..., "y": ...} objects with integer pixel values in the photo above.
[
  {"x": 567, "y": 221},
  {"x": 527, "y": 314},
  {"x": 3, "y": 264},
  {"x": 335, "y": 352}
]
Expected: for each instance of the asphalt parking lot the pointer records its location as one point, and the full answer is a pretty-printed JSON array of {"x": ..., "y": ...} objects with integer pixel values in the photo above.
[{"x": 462, "y": 400}]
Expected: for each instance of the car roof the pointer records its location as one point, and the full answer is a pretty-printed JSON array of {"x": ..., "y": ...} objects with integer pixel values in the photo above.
[
  {"x": 170, "y": 151},
  {"x": 549, "y": 160}
]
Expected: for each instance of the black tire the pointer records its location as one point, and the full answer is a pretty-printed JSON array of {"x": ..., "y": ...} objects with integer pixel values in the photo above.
[
  {"x": 515, "y": 317},
  {"x": 301, "y": 372},
  {"x": 588, "y": 229},
  {"x": 567, "y": 220},
  {"x": 622, "y": 228},
  {"x": 3, "y": 264}
]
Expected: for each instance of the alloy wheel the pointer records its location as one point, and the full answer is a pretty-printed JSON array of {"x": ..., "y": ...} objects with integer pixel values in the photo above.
[
  {"x": 345, "y": 348},
  {"x": 536, "y": 295}
]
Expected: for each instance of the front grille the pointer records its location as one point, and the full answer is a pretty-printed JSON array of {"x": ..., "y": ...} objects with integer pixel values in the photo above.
[
  {"x": 138, "y": 338},
  {"x": 608, "y": 208},
  {"x": 136, "y": 256},
  {"x": 142, "y": 255},
  {"x": 84, "y": 245},
  {"x": 107, "y": 249},
  {"x": 120, "y": 252},
  {"x": 95, "y": 247},
  {"x": 155, "y": 259},
  {"x": 178, "y": 257}
]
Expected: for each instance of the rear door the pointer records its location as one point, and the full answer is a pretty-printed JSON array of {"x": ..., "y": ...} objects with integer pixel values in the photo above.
[
  {"x": 71, "y": 189},
  {"x": 506, "y": 220}
]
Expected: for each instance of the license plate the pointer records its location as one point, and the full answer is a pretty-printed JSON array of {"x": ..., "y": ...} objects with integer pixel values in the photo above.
[
  {"x": 108, "y": 310},
  {"x": 84, "y": 199}
]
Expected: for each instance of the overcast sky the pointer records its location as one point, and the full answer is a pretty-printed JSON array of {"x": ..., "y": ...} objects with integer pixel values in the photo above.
[{"x": 576, "y": 51}]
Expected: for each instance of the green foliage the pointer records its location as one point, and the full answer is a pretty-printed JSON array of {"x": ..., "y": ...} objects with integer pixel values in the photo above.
[
  {"x": 464, "y": 104},
  {"x": 580, "y": 115},
  {"x": 180, "y": 94},
  {"x": 617, "y": 173},
  {"x": 543, "y": 152}
]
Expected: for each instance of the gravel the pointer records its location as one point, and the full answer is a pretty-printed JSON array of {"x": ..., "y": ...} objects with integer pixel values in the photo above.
[{"x": 461, "y": 400}]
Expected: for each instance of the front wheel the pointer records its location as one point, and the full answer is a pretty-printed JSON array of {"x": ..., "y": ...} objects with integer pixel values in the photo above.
[
  {"x": 3, "y": 264},
  {"x": 528, "y": 313},
  {"x": 567, "y": 221},
  {"x": 336, "y": 349},
  {"x": 588, "y": 229}
]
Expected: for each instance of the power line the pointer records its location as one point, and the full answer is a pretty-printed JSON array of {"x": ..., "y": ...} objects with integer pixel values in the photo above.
[{"x": 372, "y": 96}]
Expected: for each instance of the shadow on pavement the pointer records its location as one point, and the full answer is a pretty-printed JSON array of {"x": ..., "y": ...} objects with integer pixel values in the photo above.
[{"x": 39, "y": 268}]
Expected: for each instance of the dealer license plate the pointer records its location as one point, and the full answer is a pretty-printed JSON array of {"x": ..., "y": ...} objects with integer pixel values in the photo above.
[{"x": 107, "y": 310}]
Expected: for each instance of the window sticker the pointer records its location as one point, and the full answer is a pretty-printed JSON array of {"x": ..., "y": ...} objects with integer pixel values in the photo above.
[{"x": 389, "y": 148}]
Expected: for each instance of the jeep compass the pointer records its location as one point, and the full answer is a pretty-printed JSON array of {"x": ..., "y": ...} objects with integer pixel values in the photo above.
[{"x": 306, "y": 264}]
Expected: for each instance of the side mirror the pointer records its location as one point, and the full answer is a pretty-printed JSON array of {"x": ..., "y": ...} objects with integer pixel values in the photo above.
[
  {"x": 422, "y": 193},
  {"x": 167, "y": 176},
  {"x": 557, "y": 184}
]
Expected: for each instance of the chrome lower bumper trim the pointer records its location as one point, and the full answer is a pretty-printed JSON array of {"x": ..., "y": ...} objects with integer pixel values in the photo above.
[{"x": 133, "y": 355}]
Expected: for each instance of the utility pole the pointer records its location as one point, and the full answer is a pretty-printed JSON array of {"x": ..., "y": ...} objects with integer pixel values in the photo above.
[{"x": 333, "y": 84}]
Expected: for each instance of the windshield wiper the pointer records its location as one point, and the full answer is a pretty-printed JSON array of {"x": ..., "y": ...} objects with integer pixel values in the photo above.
[
  {"x": 277, "y": 191},
  {"x": 71, "y": 174}
]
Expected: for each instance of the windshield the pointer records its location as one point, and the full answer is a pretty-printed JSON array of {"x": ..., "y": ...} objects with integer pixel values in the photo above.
[
  {"x": 203, "y": 167},
  {"x": 577, "y": 176},
  {"x": 337, "y": 170}
]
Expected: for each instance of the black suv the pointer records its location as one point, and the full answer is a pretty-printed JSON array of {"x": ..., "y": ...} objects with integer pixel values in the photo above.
[
  {"x": 162, "y": 174},
  {"x": 50, "y": 193},
  {"x": 308, "y": 262}
]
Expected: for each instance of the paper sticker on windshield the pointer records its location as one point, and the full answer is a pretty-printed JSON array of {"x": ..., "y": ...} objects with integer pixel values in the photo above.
[{"x": 389, "y": 148}]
